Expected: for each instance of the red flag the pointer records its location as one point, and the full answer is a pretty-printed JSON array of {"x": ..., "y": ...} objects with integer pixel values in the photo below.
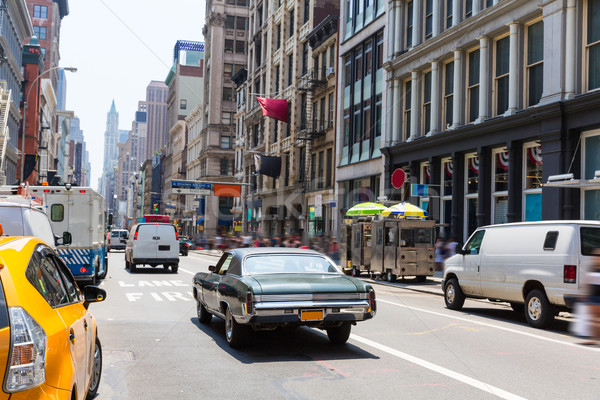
[{"x": 274, "y": 108}]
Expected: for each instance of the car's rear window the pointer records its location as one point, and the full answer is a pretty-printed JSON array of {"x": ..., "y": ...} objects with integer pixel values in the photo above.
[
  {"x": 292, "y": 263},
  {"x": 590, "y": 241}
]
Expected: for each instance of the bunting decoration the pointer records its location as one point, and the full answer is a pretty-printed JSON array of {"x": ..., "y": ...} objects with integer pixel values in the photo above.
[{"x": 274, "y": 108}]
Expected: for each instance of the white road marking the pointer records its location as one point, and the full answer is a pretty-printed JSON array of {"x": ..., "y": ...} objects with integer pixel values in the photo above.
[
  {"x": 490, "y": 326},
  {"x": 134, "y": 296},
  {"x": 156, "y": 296},
  {"x": 173, "y": 296},
  {"x": 186, "y": 271},
  {"x": 440, "y": 370}
]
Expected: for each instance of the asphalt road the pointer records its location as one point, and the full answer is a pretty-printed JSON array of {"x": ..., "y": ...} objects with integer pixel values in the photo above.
[{"x": 155, "y": 348}]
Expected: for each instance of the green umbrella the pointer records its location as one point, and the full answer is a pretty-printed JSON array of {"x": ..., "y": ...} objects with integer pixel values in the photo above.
[{"x": 366, "y": 209}]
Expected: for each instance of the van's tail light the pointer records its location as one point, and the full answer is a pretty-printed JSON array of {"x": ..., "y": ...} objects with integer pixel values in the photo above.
[
  {"x": 372, "y": 302},
  {"x": 570, "y": 273},
  {"x": 27, "y": 352},
  {"x": 176, "y": 235},
  {"x": 249, "y": 305},
  {"x": 135, "y": 235}
]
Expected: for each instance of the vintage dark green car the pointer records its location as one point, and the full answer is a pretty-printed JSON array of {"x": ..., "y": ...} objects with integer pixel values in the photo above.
[{"x": 269, "y": 287}]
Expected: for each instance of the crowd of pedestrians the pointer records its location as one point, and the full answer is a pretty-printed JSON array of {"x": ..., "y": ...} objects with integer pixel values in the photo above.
[
  {"x": 322, "y": 244},
  {"x": 443, "y": 250}
]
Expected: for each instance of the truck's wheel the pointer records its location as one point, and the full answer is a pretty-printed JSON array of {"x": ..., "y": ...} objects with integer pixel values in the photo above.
[
  {"x": 355, "y": 272},
  {"x": 103, "y": 274},
  {"x": 453, "y": 295},
  {"x": 538, "y": 310},
  {"x": 339, "y": 334},
  {"x": 421, "y": 278},
  {"x": 389, "y": 276}
]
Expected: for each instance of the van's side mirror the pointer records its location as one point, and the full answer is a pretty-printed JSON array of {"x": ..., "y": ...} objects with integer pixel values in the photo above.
[
  {"x": 67, "y": 238},
  {"x": 460, "y": 250},
  {"x": 212, "y": 268}
]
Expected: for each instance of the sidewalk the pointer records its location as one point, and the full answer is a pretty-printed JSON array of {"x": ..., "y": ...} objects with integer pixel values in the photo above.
[{"x": 432, "y": 285}]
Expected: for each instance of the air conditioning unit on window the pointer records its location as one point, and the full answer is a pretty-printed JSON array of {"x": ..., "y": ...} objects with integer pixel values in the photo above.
[{"x": 330, "y": 71}]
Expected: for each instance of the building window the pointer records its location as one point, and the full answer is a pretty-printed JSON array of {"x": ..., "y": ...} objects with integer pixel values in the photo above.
[
  {"x": 43, "y": 49},
  {"x": 225, "y": 142},
  {"x": 332, "y": 56},
  {"x": 500, "y": 186},
  {"x": 306, "y": 10},
  {"x": 407, "y": 107},
  {"x": 532, "y": 182},
  {"x": 40, "y": 12},
  {"x": 224, "y": 166},
  {"x": 328, "y": 169},
  {"x": 501, "y": 76},
  {"x": 593, "y": 44},
  {"x": 227, "y": 69},
  {"x": 426, "y": 95},
  {"x": 409, "y": 23},
  {"x": 448, "y": 5},
  {"x": 226, "y": 118},
  {"x": 240, "y": 23},
  {"x": 446, "y": 195},
  {"x": 428, "y": 19},
  {"x": 277, "y": 69},
  {"x": 473, "y": 85},
  {"x": 535, "y": 63},
  {"x": 331, "y": 108},
  {"x": 590, "y": 164},
  {"x": 278, "y": 36},
  {"x": 228, "y": 46},
  {"x": 290, "y": 69},
  {"x": 468, "y": 7},
  {"x": 182, "y": 104},
  {"x": 472, "y": 186},
  {"x": 229, "y": 22},
  {"x": 240, "y": 47},
  {"x": 305, "y": 58},
  {"x": 313, "y": 171},
  {"x": 40, "y": 32},
  {"x": 448, "y": 95},
  {"x": 291, "y": 19},
  {"x": 227, "y": 94},
  {"x": 321, "y": 167}
]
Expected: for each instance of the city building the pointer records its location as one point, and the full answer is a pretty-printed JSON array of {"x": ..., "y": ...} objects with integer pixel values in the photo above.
[
  {"x": 15, "y": 30},
  {"x": 492, "y": 100},
  {"x": 156, "y": 107},
  {"x": 361, "y": 94},
  {"x": 111, "y": 136},
  {"x": 279, "y": 59}
]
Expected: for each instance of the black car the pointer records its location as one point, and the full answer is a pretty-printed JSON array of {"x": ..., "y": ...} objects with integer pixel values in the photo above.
[{"x": 184, "y": 246}]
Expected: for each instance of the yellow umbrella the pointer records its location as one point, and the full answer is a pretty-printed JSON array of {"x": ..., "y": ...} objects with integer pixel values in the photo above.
[{"x": 403, "y": 210}]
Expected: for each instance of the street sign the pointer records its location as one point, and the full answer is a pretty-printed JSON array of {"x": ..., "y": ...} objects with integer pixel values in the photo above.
[
  {"x": 419, "y": 190},
  {"x": 191, "y": 187},
  {"x": 398, "y": 178},
  {"x": 319, "y": 205}
]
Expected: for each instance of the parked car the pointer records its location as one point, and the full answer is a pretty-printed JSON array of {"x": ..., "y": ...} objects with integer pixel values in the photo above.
[
  {"x": 117, "y": 239},
  {"x": 184, "y": 246},
  {"x": 535, "y": 266},
  {"x": 19, "y": 218},
  {"x": 153, "y": 244},
  {"x": 266, "y": 287},
  {"x": 49, "y": 345}
]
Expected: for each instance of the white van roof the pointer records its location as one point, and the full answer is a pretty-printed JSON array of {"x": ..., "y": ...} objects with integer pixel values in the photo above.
[{"x": 578, "y": 222}]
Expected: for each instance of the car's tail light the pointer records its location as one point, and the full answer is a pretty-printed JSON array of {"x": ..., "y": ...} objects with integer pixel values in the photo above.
[
  {"x": 27, "y": 352},
  {"x": 249, "y": 299},
  {"x": 372, "y": 302},
  {"x": 570, "y": 273}
]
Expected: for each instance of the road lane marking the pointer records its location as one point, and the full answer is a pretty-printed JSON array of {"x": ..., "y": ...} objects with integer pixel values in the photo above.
[
  {"x": 439, "y": 369},
  {"x": 134, "y": 296},
  {"x": 490, "y": 325},
  {"x": 186, "y": 271},
  {"x": 141, "y": 283}
]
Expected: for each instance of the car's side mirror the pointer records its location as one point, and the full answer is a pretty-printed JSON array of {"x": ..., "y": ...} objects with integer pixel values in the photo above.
[
  {"x": 93, "y": 294},
  {"x": 212, "y": 268}
]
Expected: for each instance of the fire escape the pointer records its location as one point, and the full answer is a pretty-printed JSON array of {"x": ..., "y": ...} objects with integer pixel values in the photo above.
[{"x": 4, "y": 137}]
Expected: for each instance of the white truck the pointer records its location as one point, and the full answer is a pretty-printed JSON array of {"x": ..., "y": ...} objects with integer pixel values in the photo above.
[{"x": 82, "y": 212}]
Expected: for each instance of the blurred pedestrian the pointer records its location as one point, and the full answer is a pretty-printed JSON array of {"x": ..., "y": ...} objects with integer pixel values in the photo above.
[
  {"x": 450, "y": 248},
  {"x": 440, "y": 253},
  {"x": 592, "y": 299}
]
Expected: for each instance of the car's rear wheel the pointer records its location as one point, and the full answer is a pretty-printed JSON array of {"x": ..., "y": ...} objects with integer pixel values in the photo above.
[
  {"x": 233, "y": 330},
  {"x": 339, "y": 334},
  {"x": 203, "y": 315},
  {"x": 453, "y": 295},
  {"x": 538, "y": 310},
  {"x": 96, "y": 371}
]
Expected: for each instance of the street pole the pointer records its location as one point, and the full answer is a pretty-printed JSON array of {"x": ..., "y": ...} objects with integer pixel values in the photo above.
[{"x": 70, "y": 69}]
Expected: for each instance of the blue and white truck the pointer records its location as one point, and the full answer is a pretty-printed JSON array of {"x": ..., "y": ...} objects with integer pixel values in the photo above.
[{"x": 82, "y": 212}]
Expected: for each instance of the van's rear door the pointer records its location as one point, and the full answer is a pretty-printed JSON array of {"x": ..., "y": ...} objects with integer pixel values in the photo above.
[
  {"x": 147, "y": 241},
  {"x": 167, "y": 246}
]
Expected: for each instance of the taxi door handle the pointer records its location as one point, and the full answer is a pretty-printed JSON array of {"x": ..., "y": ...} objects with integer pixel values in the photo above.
[{"x": 72, "y": 335}]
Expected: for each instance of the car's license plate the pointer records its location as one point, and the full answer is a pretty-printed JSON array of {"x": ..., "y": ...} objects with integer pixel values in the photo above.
[
  {"x": 311, "y": 315},
  {"x": 164, "y": 248}
]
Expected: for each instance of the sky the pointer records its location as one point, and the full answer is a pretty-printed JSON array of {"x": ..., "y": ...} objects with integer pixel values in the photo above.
[{"x": 118, "y": 47}]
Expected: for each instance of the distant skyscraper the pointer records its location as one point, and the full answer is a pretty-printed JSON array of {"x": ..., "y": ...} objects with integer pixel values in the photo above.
[
  {"x": 76, "y": 132},
  {"x": 123, "y": 135},
  {"x": 111, "y": 136},
  {"x": 156, "y": 106},
  {"x": 61, "y": 90}
]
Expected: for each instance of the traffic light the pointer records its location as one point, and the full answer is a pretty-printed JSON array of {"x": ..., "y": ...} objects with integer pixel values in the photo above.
[{"x": 156, "y": 207}]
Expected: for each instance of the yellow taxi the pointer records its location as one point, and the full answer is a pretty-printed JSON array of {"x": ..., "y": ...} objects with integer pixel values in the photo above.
[{"x": 49, "y": 346}]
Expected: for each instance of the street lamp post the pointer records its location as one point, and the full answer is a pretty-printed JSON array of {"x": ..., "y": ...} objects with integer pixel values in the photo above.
[{"x": 70, "y": 69}]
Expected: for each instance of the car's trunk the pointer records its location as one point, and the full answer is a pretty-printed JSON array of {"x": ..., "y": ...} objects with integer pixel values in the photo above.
[{"x": 304, "y": 283}]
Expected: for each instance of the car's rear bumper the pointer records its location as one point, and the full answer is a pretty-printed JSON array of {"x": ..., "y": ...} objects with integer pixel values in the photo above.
[{"x": 281, "y": 313}]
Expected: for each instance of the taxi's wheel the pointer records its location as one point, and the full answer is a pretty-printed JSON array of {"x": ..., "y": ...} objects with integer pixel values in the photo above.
[
  {"x": 96, "y": 371},
  {"x": 233, "y": 330},
  {"x": 203, "y": 315},
  {"x": 339, "y": 334}
]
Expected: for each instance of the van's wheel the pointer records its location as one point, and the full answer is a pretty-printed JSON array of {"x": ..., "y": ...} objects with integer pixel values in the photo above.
[
  {"x": 538, "y": 310},
  {"x": 453, "y": 295},
  {"x": 339, "y": 334},
  {"x": 127, "y": 264},
  {"x": 174, "y": 268},
  {"x": 131, "y": 267},
  {"x": 390, "y": 277},
  {"x": 421, "y": 278}
]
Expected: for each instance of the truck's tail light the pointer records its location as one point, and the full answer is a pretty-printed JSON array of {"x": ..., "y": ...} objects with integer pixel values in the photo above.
[
  {"x": 372, "y": 302},
  {"x": 249, "y": 299},
  {"x": 27, "y": 366},
  {"x": 570, "y": 273}
]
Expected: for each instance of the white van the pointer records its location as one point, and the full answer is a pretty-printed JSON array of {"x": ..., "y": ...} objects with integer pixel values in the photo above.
[
  {"x": 538, "y": 266},
  {"x": 153, "y": 244},
  {"x": 117, "y": 239}
]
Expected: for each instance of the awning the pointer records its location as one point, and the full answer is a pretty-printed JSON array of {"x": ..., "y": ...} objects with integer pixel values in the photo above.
[
  {"x": 199, "y": 220},
  {"x": 575, "y": 184}
]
